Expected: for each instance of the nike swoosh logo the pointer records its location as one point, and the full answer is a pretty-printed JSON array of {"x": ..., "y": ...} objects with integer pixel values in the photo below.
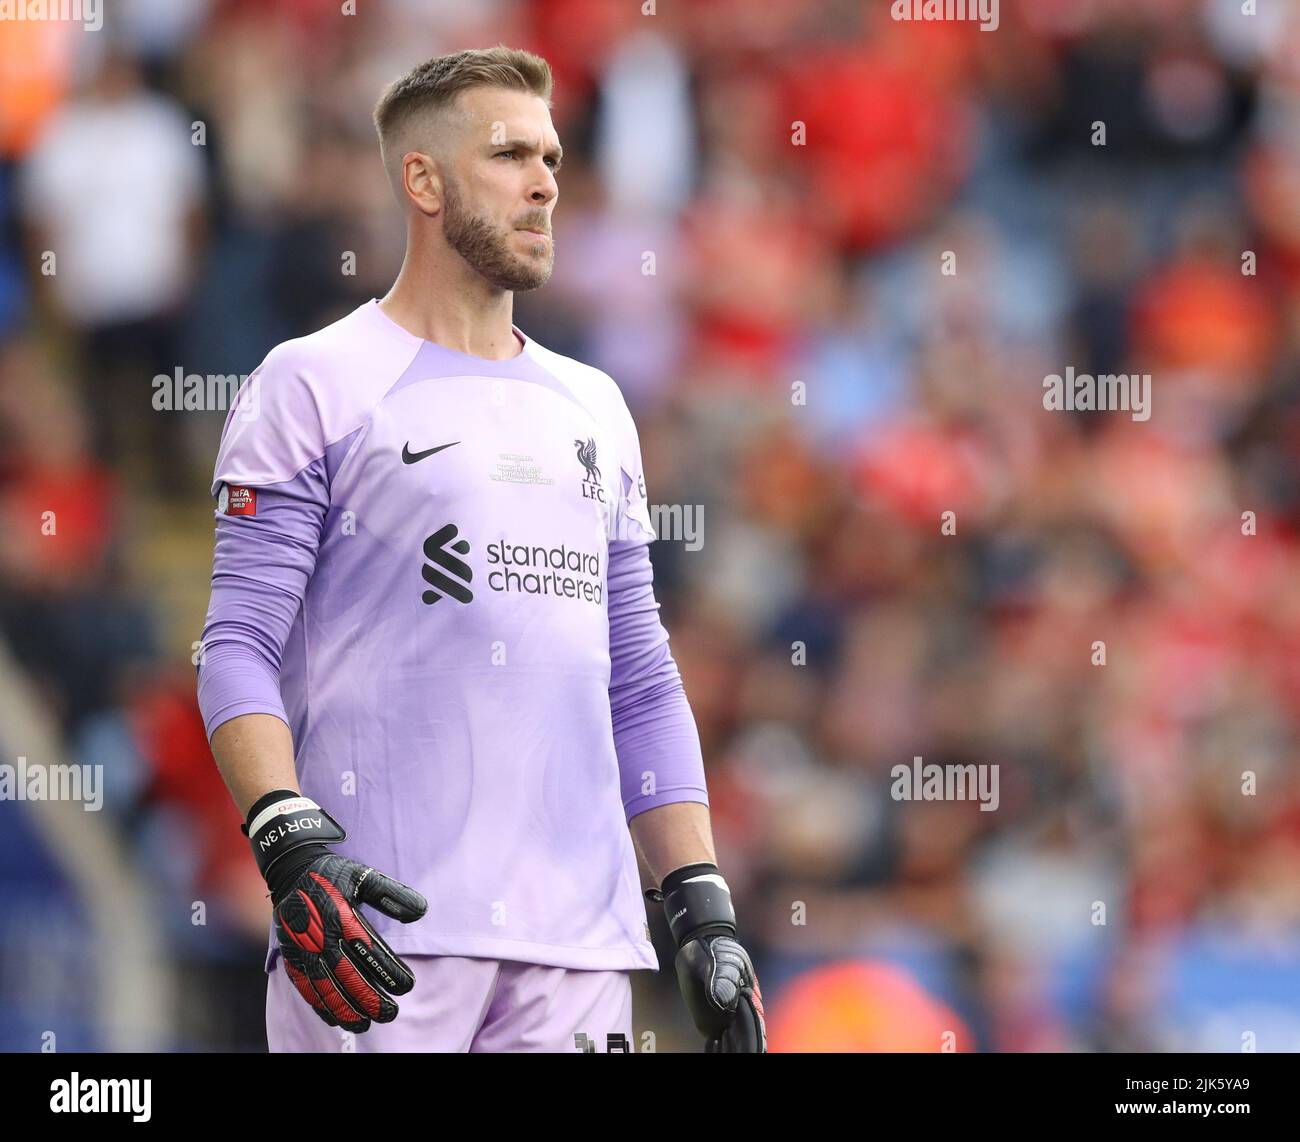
[{"x": 409, "y": 457}]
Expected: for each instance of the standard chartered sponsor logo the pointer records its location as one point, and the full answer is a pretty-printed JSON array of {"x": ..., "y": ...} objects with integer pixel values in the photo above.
[{"x": 534, "y": 569}]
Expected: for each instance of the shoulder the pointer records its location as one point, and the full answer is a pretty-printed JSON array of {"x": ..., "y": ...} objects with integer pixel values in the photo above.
[
  {"x": 337, "y": 374},
  {"x": 595, "y": 389},
  {"x": 308, "y": 393},
  {"x": 320, "y": 355}
]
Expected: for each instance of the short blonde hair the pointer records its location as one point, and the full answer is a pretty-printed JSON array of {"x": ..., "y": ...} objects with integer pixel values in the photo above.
[{"x": 434, "y": 84}]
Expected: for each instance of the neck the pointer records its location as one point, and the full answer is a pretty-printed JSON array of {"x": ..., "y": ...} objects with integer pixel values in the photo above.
[{"x": 444, "y": 301}]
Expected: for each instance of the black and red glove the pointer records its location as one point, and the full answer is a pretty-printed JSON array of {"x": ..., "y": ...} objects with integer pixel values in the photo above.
[
  {"x": 714, "y": 972},
  {"x": 339, "y": 965}
]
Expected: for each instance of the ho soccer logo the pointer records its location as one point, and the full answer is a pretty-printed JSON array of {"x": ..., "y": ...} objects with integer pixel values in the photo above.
[{"x": 444, "y": 572}]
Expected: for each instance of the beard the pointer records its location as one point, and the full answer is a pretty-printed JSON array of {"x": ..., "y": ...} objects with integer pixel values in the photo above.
[{"x": 488, "y": 248}]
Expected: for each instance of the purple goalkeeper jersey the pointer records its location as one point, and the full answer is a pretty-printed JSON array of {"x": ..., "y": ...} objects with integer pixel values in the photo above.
[{"x": 435, "y": 568}]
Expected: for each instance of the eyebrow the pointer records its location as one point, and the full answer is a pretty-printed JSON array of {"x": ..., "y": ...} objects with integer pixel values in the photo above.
[{"x": 556, "y": 152}]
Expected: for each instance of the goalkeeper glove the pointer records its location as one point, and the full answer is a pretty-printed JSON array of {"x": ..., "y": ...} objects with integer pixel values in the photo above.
[
  {"x": 332, "y": 956},
  {"x": 714, "y": 972}
]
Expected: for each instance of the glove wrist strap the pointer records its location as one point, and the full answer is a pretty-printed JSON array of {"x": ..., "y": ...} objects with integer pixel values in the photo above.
[
  {"x": 286, "y": 872},
  {"x": 283, "y": 821},
  {"x": 697, "y": 902}
]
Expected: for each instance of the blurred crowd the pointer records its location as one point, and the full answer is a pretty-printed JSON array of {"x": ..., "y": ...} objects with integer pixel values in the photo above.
[{"x": 872, "y": 241}]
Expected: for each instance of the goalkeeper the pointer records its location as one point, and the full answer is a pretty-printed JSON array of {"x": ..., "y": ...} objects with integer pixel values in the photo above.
[{"x": 433, "y": 673}]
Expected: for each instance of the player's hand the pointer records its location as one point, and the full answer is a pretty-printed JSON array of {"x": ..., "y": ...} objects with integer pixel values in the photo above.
[
  {"x": 335, "y": 959},
  {"x": 715, "y": 974},
  {"x": 337, "y": 962},
  {"x": 722, "y": 994}
]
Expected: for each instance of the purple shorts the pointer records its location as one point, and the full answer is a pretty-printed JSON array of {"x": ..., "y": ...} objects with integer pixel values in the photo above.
[{"x": 461, "y": 1004}]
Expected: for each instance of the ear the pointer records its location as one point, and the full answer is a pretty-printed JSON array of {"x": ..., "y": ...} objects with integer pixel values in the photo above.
[{"x": 422, "y": 182}]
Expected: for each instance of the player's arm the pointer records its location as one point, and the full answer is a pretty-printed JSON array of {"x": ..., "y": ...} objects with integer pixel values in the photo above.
[
  {"x": 672, "y": 835},
  {"x": 268, "y": 534},
  {"x": 254, "y": 753},
  {"x": 661, "y": 769}
]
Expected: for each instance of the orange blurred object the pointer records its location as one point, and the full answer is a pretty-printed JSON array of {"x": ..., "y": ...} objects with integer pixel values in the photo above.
[
  {"x": 862, "y": 1006},
  {"x": 1194, "y": 315},
  {"x": 35, "y": 71}
]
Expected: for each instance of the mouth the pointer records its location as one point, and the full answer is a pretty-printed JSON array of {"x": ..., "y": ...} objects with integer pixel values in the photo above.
[{"x": 539, "y": 233}]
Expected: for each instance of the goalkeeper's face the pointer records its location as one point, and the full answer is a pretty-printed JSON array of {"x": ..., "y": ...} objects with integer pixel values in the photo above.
[{"x": 497, "y": 206}]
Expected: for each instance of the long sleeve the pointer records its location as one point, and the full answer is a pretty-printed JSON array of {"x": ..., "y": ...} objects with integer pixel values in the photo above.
[
  {"x": 271, "y": 482},
  {"x": 655, "y": 736},
  {"x": 260, "y": 567}
]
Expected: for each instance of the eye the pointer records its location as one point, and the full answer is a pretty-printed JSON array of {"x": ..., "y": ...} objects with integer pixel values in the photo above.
[{"x": 500, "y": 153}]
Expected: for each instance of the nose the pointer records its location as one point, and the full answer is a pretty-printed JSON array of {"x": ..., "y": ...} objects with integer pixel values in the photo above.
[{"x": 545, "y": 188}]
